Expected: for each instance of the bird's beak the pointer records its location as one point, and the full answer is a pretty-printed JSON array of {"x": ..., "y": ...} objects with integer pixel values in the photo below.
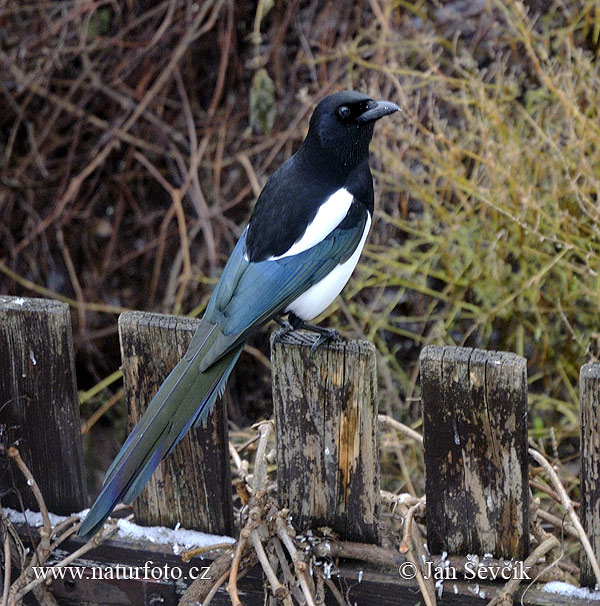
[{"x": 376, "y": 110}]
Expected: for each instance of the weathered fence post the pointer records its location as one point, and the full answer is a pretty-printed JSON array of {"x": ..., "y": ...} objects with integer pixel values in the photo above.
[
  {"x": 326, "y": 419},
  {"x": 475, "y": 441},
  {"x": 589, "y": 401},
  {"x": 193, "y": 485},
  {"x": 38, "y": 401}
]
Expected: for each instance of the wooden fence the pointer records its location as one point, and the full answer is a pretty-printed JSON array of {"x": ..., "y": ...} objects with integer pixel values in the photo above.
[{"x": 325, "y": 405}]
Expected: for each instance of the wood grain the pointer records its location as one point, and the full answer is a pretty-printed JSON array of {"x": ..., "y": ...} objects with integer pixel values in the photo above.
[
  {"x": 38, "y": 402},
  {"x": 589, "y": 400},
  {"x": 326, "y": 418},
  {"x": 193, "y": 485},
  {"x": 475, "y": 443}
]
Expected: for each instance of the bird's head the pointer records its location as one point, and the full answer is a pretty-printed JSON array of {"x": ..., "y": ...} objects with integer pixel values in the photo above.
[{"x": 342, "y": 125}]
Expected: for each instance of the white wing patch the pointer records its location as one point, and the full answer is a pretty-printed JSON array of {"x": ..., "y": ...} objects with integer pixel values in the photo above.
[
  {"x": 328, "y": 217},
  {"x": 320, "y": 295}
]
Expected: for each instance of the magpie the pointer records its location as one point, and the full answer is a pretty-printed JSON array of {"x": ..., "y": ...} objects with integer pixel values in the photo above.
[{"x": 302, "y": 242}]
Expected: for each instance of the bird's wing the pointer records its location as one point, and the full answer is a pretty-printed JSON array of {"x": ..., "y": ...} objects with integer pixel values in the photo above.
[{"x": 250, "y": 294}]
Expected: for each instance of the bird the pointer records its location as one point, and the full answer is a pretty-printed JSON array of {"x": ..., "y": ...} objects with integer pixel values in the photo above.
[{"x": 297, "y": 252}]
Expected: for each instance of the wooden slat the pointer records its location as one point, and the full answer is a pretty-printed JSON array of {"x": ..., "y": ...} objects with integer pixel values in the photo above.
[
  {"x": 38, "y": 402},
  {"x": 326, "y": 418},
  {"x": 193, "y": 485},
  {"x": 475, "y": 442},
  {"x": 383, "y": 587},
  {"x": 589, "y": 400}
]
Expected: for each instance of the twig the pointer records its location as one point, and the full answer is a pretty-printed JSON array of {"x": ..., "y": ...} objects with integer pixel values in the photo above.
[
  {"x": 192, "y": 178},
  {"x": 428, "y": 596},
  {"x": 260, "y": 465},
  {"x": 51, "y": 294},
  {"x": 188, "y": 554},
  {"x": 407, "y": 431},
  {"x": 7, "y": 569},
  {"x": 374, "y": 554},
  {"x": 279, "y": 590},
  {"x": 257, "y": 505},
  {"x": 99, "y": 412},
  {"x": 46, "y": 531},
  {"x": 176, "y": 195},
  {"x": 60, "y": 239},
  {"x": 551, "y": 493},
  {"x": 568, "y": 505},
  {"x": 213, "y": 590},
  {"x": 504, "y": 597},
  {"x": 198, "y": 590},
  {"x": 241, "y": 465},
  {"x": 394, "y": 500},
  {"x": 339, "y": 598},
  {"x": 235, "y": 565},
  {"x": 413, "y": 541},
  {"x": 558, "y": 523},
  {"x": 287, "y": 573},
  {"x": 299, "y": 565},
  {"x": 106, "y": 532}
]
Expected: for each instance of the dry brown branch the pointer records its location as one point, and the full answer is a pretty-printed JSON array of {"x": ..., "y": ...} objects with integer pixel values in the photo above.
[
  {"x": 299, "y": 564},
  {"x": 257, "y": 510},
  {"x": 373, "y": 554},
  {"x": 202, "y": 592},
  {"x": 47, "y": 292},
  {"x": 534, "y": 483},
  {"x": 339, "y": 598},
  {"x": 7, "y": 568},
  {"x": 105, "y": 533},
  {"x": 560, "y": 524},
  {"x": 288, "y": 575},
  {"x": 176, "y": 195},
  {"x": 397, "y": 426},
  {"x": 235, "y": 565},
  {"x": 412, "y": 545},
  {"x": 46, "y": 532},
  {"x": 191, "y": 177},
  {"x": 102, "y": 410},
  {"x": 259, "y": 477},
  {"x": 279, "y": 590},
  {"x": 210, "y": 595},
  {"x": 570, "y": 509},
  {"x": 27, "y": 580},
  {"x": 505, "y": 597}
]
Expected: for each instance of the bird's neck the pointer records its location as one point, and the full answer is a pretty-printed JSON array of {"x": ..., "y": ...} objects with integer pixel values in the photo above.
[{"x": 331, "y": 164}]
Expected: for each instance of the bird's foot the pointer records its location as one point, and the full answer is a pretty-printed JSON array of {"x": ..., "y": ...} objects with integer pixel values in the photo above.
[
  {"x": 285, "y": 326},
  {"x": 325, "y": 334},
  {"x": 329, "y": 334}
]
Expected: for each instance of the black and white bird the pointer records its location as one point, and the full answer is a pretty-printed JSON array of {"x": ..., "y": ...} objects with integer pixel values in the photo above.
[{"x": 297, "y": 252}]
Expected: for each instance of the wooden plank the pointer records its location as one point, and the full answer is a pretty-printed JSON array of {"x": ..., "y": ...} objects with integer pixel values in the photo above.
[
  {"x": 193, "y": 485},
  {"x": 326, "y": 419},
  {"x": 589, "y": 400},
  {"x": 475, "y": 443},
  {"x": 38, "y": 402},
  {"x": 381, "y": 586}
]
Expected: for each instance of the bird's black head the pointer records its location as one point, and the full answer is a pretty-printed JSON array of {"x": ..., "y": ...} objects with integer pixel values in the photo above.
[{"x": 342, "y": 126}]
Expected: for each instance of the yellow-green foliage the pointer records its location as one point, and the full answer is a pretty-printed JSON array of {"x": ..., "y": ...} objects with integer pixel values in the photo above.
[{"x": 489, "y": 194}]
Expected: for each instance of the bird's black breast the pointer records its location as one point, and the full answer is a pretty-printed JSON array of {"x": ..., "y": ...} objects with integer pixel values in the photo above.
[{"x": 291, "y": 199}]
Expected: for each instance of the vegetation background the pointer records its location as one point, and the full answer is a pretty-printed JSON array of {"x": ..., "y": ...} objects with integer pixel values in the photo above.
[{"x": 135, "y": 137}]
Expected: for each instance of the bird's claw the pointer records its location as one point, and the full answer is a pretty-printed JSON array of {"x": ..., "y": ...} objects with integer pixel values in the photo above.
[
  {"x": 325, "y": 334},
  {"x": 285, "y": 326},
  {"x": 295, "y": 323}
]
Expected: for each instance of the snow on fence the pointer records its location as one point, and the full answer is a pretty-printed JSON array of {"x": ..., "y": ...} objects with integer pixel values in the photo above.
[{"x": 474, "y": 433}]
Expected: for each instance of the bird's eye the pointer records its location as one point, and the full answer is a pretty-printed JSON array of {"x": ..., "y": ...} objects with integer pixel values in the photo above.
[{"x": 343, "y": 111}]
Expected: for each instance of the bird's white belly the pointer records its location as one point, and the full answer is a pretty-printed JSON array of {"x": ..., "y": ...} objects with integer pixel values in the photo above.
[{"x": 320, "y": 295}]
